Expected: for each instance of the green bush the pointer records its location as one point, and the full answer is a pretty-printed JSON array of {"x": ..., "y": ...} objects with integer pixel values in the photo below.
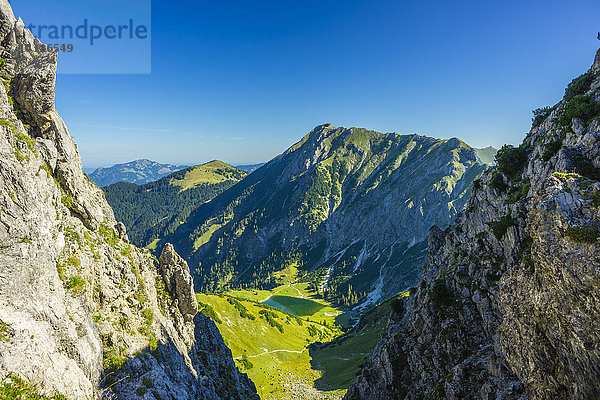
[
  {"x": 13, "y": 387},
  {"x": 584, "y": 167},
  {"x": 497, "y": 182},
  {"x": 6, "y": 332},
  {"x": 241, "y": 308},
  {"x": 579, "y": 85},
  {"x": 246, "y": 362},
  {"x": 209, "y": 312},
  {"x": 582, "y": 107},
  {"x": 540, "y": 115},
  {"x": 511, "y": 160},
  {"x": 148, "y": 316},
  {"x": 587, "y": 233},
  {"x": 270, "y": 316},
  {"x": 76, "y": 284},
  {"x": 440, "y": 295},
  {"x": 112, "y": 362},
  {"x": 551, "y": 148},
  {"x": 109, "y": 234},
  {"x": 141, "y": 390},
  {"x": 500, "y": 227},
  {"x": 518, "y": 191}
]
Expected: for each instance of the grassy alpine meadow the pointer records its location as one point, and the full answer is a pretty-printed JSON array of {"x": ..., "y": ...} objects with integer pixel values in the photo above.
[
  {"x": 271, "y": 345},
  {"x": 340, "y": 359},
  {"x": 290, "y": 342}
]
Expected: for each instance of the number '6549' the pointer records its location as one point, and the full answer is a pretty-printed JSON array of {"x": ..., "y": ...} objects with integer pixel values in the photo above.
[{"x": 66, "y": 48}]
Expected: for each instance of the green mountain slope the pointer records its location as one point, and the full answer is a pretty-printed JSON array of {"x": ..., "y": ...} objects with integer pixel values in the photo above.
[
  {"x": 342, "y": 358},
  {"x": 301, "y": 353},
  {"x": 156, "y": 209},
  {"x": 349, "y": 207}
]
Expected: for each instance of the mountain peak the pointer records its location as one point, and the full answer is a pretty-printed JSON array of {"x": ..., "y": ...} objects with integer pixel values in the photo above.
[
  {"x": 339, "y": 190},
  {"x": 209, "y": 173},
  {"x": 217, "y": 164}
]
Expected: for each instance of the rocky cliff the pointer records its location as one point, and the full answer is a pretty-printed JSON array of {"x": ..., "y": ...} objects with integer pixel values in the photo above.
[
  {"x": 348, "y": 207},
  {"x": 80, "y": 307},
  {"x": 508, "y": 307}
]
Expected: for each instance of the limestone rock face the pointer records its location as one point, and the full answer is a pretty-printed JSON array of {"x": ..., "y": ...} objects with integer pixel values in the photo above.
[
  {"x": 178, "y": 281},
  {"x": 33, "y": 86},
  {"x": 80, "y": 307},
  {"x": 509, "y": 303},
  {"x": 32, "y": 68}
]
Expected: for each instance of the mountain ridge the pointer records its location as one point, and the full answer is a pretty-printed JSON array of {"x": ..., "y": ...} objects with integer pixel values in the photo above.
[{"x": 330, "y": 181}]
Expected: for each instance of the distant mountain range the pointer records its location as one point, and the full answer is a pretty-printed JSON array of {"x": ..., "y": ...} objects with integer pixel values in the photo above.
[
  {"x": 143, "y": 171},
  {"x": 138, "y": 172},
  {"x": 250, "y": 167},
  {"x": 486, "y": 155}
]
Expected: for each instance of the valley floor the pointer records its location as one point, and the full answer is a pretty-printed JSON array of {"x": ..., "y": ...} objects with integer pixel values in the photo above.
[{"x": 299, "y": 353}]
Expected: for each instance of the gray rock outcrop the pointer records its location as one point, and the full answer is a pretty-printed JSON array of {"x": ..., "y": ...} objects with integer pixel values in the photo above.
[
  {"x": 596, "y": 66},
  {"x": 80, "y": 307},
  {"x": 178, "y": 281}
]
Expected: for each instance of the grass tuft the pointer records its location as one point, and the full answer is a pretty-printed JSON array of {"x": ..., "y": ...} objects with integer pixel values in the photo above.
[
  {"x": 14, "y": 387},
  {"x": 587, "y": 233}
]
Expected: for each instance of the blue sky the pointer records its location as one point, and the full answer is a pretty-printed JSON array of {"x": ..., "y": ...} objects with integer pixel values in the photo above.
[{"x": 242, "y": 81}]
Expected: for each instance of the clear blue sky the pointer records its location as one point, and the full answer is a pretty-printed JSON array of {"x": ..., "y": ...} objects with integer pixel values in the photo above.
[{"x": 242, "y": 81}]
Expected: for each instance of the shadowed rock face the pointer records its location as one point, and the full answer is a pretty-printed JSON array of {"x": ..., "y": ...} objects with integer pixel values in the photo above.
[
  {"x": 77, "y": 301},
  {"x": 508, "y": 307}
]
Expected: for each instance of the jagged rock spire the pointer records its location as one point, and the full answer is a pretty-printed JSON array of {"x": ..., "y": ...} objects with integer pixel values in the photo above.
[
  {"x": 596, "y": 65},
  {"x": 178, "y": 281}
]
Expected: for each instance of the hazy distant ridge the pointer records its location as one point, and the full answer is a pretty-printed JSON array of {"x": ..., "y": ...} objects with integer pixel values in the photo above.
[{"x": 138, "y": 172}]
